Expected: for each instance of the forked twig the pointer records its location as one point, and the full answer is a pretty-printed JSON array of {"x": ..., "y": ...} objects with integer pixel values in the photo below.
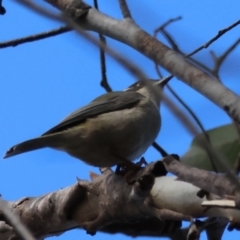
[
  {"x": 218, "y": 61},
  {"x": 220, "y": 33},
  {"x": 125, "y": 10}
]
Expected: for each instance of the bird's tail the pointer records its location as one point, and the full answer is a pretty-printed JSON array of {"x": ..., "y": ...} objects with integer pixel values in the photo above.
[{"x": 30, "y": 145}]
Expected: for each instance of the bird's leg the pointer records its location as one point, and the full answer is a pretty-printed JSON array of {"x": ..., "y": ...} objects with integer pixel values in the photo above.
[
  {"x": 125, "y": 166},
  {"x": 120, "y": 169},
  {"x": 129, "y": 169}
]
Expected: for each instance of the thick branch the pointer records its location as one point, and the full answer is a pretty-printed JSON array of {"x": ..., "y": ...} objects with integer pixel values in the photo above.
[
  {"x": 220, "y": 185},
  {"x": 130, "y": 34},
  {"x": 108, "y": 201}
]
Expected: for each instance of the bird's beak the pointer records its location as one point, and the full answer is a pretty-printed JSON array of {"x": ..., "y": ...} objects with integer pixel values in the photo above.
[{"x": 162, "y": 82}]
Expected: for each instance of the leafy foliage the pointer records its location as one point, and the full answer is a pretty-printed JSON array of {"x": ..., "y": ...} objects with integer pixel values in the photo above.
[{"x": 224, "y": 140}]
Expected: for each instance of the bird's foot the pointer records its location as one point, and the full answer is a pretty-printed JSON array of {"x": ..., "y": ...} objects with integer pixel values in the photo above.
[{"x": 128, "y": 172}]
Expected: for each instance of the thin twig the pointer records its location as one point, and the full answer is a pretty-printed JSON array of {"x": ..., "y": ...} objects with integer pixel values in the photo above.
[
  {"x": 203, "y": 143},
  {"x": 220, "y": 33},
  {"x": 104, "y": 82},
  {"x": 131, "y": 67},
  {"x": 168, "y": 37},
  {"x": 20, "y": 229},
  {"x": 160, "y": 149},
  {"x": 174, "y": 45},
  {"x": 32, "y": 38},
  {"x": 193, "y": 115},
  {"x": 124, "y": 8},
  {"x": 219, "y": 60},
  {"x": 190, "y": 111}
]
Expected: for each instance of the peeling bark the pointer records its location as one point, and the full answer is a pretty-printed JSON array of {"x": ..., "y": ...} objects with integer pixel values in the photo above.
[
  {"x": 108, "y": 203},
  {"x": 220, "y": 183}
]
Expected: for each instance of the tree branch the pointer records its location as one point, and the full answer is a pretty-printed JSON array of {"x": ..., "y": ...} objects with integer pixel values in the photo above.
[
  {"x": 130, "y": 34},
  {"x": 218, "y": 61},
  {"x": 104, "y": 82},
  {"x": 220, "y": 184},
  {"x": 220, "y": 33},
  {"x": 124, "y": 8},
  {"x": 17, "y": 226},
  {"x": 35, "y": 37},
  {"x": 150, "y": 200}
]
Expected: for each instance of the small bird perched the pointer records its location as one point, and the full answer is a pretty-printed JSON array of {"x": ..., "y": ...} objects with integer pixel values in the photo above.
[{"x": 115, "y": 128}]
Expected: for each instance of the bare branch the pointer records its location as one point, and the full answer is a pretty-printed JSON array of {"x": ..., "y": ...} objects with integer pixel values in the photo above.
[
  {"x": 119, "y": 58},
  {"x": 81, "y": 12},
  {"x": 144, "y": 201},
  {"x": 217, "y": 159},
  {"x": 124, "y": 8},
  {"x": 32, "y": 38},
  {"x": 220, "y": 33},
  {"x": 171, "y": 20},
  {"x": 15, "y": 221},
  {"x": 220, "y": 185},
  {"x": 160, "y": 149},
  {"x": 189, "y": 110},
  {"x": 104, "y": 81},
  {"x": 194, "y": 116},
  {"x": 93, "y": 205},
  {"x": 218, "y": 61},
  {"x": 175, "y": 46},
  {"x": 130, "y": 34}
]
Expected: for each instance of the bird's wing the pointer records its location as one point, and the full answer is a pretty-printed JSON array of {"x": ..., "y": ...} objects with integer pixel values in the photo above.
[{"x": 108, "y": 102}]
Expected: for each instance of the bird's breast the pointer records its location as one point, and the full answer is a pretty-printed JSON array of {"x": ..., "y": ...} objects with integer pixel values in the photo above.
[{"x": 129, "y": 132}]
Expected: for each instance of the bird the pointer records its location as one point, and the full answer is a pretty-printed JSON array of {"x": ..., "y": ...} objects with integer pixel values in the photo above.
[{"x": 115, "y": 128}]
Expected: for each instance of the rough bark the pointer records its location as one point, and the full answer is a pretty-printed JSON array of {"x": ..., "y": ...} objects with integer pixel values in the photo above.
[{"x": 152, "y": 203}]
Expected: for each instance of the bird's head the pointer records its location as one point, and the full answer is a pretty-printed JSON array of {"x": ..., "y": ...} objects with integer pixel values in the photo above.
[{"x": 151, "y": 89}]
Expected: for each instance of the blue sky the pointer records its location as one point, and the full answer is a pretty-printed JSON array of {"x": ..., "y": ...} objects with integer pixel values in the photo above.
[{"x": 43, "y": 81}]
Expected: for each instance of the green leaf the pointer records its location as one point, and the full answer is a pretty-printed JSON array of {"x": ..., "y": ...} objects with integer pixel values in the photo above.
[{"x": 224, "y": 140}]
